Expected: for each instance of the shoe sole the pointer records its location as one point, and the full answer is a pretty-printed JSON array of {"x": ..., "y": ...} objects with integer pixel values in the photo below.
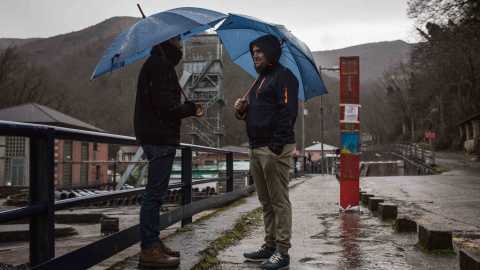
[
  {"x": 156, "y": 266},
  {"x": 283, "y": 268},
  {"x": 256, "y": 260}
]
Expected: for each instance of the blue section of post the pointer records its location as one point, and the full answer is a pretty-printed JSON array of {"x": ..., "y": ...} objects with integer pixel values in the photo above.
[
  {"x": 187, "y": 180},
  {"x": 229, "y": 158},
  {"x": 42, "y": 226}
]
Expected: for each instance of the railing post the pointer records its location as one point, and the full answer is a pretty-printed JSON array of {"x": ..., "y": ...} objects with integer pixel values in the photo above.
[
  {"x": 295, "y": 160},
  {"x": 423, "y": 155},
  {"x": 229, "y": 158},
  {"x": 42, "y": 226},
  {"x": 304, "y": 163},
  {"x": 187, "y": 179}
]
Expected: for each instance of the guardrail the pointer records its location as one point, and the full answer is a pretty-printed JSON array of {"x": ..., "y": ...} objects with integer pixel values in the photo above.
[
  {"x": 41, "y": 210},
  {"x": 414, "y": 150}
]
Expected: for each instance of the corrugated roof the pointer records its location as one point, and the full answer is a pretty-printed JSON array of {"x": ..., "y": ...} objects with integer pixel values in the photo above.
[
  {"x": 37, "y": 114},
  {"x": 318, "y": 147}
]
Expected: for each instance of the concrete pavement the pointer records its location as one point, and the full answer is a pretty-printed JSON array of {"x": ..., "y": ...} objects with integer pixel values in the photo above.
[{"x": 324, "y": 238}]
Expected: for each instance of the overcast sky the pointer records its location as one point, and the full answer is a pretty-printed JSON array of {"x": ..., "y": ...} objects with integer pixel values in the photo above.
[{"x": 321, "y": 24}]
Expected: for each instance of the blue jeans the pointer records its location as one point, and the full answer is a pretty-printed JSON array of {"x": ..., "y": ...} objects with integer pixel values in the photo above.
[{"x": 160, "y": 162}]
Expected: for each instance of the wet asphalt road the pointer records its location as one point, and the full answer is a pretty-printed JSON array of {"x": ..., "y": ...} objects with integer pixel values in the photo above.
[{"x": 323, "y": 238}]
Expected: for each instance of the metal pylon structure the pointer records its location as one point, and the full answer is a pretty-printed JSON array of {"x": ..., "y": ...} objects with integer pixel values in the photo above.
[{"x": 202, "y": 82}]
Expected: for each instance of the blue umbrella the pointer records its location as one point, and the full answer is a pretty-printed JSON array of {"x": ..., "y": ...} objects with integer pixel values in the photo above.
[
  {"x": 137, "y": 41},
  {"x": 236, "y": 33}
]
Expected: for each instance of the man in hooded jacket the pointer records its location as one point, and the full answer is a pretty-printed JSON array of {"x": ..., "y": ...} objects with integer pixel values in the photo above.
[
  {"x": 271, "y": 112},
  {"x": 157, "y": 121}
]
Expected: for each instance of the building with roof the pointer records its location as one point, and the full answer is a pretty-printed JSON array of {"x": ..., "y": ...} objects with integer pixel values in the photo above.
[
  {"x": 315, "y": 151},
  {"x": 470, "y": 133},
  {"x": 69, "y": 171}
]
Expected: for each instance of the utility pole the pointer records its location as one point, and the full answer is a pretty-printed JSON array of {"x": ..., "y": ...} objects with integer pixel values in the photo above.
[
  {"x": 321, "y": 125},
  {"x": 335, "y": 68}
]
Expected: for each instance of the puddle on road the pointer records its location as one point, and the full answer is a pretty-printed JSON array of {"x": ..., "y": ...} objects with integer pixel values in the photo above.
[{"x": 355, "y": 241}]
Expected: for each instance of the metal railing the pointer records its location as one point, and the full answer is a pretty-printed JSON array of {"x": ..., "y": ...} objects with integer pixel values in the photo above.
[
  {"x": 417, "y": 151},
  {"x": 43, "y": 206}
]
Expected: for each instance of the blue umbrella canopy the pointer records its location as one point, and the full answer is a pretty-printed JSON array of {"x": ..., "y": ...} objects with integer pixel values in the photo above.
[
  {"x": 236, "y": 33},
  {"x": 137, "y": 41}
]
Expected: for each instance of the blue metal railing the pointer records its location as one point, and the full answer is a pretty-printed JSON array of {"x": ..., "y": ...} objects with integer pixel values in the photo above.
[{"x": 41, "y": 210}]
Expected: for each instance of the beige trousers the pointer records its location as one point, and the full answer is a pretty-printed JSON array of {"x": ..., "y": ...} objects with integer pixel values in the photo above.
[{"x": 271, "y": 176}]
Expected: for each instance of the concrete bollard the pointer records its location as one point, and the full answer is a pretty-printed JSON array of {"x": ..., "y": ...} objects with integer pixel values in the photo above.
[
  {"x": 469, "y": 259},
  {"x": 365, "y": 198},
  {"x": 387, "y": 210},
  {"x": 373, "y": 203},
  {"x": 434, "y": 237},
  {"x": 109, "y": 225},
  {"x": 404, "y": 224}
]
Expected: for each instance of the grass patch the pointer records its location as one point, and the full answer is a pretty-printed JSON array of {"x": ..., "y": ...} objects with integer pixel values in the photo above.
[
  {"x": 441, "y": 169},
  {"x": 242, "y": 227},
  {"x": 437, "y": 251},
  {"x": 180, "y": 230}
]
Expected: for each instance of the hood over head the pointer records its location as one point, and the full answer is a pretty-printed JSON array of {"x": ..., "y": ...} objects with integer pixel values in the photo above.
[
  {"x": 172, "y": 53},
  {"x": 270, "y": 46}
]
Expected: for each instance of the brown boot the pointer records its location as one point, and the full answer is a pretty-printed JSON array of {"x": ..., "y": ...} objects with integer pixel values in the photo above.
[
  {"x": 170, "y": 252},
  {"x": 155, "y": 258}
]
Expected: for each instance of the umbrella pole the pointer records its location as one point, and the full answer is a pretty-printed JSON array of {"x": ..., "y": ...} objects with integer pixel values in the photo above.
[
  {"x": 237, "y": 115},
  {"x": 141, "y": 11},
  {"x": 183, "y": 92}
]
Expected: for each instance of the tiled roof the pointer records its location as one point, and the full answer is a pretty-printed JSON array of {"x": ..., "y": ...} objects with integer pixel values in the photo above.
[{"x": 37, "y": 114}]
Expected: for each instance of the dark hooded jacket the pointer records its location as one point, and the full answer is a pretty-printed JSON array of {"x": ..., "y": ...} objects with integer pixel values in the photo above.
[
  {"x": 273, "y": 102},
  {"x": 158, "y": 109}
]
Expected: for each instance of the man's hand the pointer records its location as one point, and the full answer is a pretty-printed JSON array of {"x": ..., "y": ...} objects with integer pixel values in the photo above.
[{"x": 241, "y": 105}]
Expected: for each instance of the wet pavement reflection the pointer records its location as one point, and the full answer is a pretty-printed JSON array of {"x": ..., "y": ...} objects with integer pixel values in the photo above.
[{"x": 349, "y": 241}]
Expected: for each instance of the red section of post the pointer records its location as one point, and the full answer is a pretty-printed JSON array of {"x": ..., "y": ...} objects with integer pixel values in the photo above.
[{"x": 349, "y": 130}]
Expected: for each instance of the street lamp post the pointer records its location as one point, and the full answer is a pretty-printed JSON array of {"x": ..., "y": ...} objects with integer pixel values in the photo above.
[{"x": 334, "y": 68}]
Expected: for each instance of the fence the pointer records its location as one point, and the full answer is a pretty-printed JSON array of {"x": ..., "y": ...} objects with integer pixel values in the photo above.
[
  {"x": 416, "y": 151},
  {"x": 41, "y": 210}
]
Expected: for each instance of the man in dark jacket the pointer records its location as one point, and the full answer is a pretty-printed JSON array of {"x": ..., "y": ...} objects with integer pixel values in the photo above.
[
  {"x": 271, "y": 112},
  {"x": 158, "y": 117}
]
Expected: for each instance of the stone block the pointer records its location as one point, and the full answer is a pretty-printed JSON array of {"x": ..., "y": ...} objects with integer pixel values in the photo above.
[
  {"x": 405, "y": 224},
  {"x": 373, "y": 203},
  {"x": 434, "y": 237},
  {"x": 469, "y": 259},
  {"x": 365, "y": 197},
  {"x": 387, "y": 210}
]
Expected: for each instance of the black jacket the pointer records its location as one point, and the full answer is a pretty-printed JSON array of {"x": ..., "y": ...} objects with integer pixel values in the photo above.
[
  {"x": 158, "y": 109},
  {"x": 273, "y": 102}
]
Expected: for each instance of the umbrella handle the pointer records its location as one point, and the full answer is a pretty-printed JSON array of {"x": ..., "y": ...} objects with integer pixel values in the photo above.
[
  {"x": 202, "y": 111},
  {"x": 237, "y": 115}
]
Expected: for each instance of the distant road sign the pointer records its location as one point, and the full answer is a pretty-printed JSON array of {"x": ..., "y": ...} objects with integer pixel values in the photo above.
[{"x": 430, "y": 135}]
